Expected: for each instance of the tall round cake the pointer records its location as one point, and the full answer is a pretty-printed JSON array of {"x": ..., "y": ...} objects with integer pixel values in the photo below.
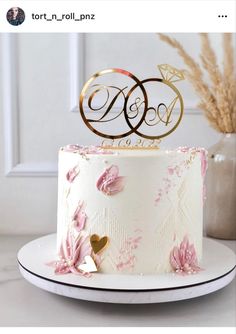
[{"x": 130, "y": 211}]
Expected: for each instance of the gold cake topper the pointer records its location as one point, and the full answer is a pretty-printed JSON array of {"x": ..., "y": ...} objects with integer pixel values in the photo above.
[{"x": 151, "y": 108}]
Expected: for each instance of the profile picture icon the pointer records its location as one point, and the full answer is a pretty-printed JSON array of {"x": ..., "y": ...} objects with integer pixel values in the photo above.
[{"x": 15, "y": 16}]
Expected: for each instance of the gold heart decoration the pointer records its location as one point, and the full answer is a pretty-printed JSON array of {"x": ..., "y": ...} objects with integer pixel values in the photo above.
[{"x": 97, "y": 243}]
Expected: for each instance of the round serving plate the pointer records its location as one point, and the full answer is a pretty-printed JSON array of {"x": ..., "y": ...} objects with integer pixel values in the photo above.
[{"x": 218, "y": 264}]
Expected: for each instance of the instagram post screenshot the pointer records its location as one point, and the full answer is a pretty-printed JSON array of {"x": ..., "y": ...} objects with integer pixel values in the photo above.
[{"x": 118, "y": 165}]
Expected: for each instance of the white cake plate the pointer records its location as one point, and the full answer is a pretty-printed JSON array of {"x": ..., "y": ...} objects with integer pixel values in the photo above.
[{"x": 218, "y": 263}]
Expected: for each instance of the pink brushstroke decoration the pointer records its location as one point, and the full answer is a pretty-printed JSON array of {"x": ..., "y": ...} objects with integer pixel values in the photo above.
[
  {"x": 204, "y": 166},
  {"x": 72, "y": 173},
  {"x": 183, "y": 259},
  {"x": 71, "y": 148},
  {"x": 126, "y": 258},
  {"x": 110, "y": 183},
  {"x": 178, "y": 170},
  {"x": 203, "y": 162},
  {"x": 83, "y": 150},
  {"x": 71, "y": 255},
  {"x": 167, "y": 185},
  {"x": 80, "y": 217},
  {"x": 184, "y": 149},
  {"x": 203, "y": 155}
]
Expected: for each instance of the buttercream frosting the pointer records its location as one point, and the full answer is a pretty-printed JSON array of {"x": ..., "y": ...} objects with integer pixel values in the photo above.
[{"x": 145, "y": 201}]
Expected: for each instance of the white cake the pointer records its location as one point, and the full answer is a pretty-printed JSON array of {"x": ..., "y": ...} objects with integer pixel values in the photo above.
[{"x": 130, "y": 211}]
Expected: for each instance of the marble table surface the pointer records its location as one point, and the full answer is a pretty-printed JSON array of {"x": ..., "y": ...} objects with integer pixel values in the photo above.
[{"x": 23, "y": 304}]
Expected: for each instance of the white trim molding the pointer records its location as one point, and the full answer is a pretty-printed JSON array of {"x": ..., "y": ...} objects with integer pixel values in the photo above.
[
  {"x": 10, "y": 101},
  {"x": 77, "y": 68},
  {"x": 37, "y": 169},
  {"x": 13, "y": 165}
]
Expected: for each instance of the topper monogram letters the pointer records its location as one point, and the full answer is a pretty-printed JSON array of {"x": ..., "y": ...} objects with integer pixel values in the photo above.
[{"x": 107, "y": 103}]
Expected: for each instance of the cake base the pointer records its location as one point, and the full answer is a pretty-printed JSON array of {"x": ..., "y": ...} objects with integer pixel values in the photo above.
[{"x": 218, "y": 264}]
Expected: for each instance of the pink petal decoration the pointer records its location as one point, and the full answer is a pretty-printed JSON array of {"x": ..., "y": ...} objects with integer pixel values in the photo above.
[
  {"x": 110, "y": 183},
  {"x": 80, "y": 217},
  {"x": 72, "y": 173},
  {"x": 183, "y": 259},
  {"x": 71, "y": 255}
]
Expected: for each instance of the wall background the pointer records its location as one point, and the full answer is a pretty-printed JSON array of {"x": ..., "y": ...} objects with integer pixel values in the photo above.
[{"x": 40, "y": 76}]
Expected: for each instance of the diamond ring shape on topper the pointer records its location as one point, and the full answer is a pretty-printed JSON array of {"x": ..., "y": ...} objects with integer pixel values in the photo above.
[{"x": 151, "y": 108}]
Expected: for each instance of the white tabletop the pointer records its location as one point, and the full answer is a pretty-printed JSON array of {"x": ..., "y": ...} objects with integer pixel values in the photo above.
[{"x": 23, "y": 304}]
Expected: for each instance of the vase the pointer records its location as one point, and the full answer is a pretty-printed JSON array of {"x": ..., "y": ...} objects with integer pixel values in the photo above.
[{"x": 220, "y": 204}]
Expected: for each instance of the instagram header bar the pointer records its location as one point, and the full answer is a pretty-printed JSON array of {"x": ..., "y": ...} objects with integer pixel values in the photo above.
[{"x": 118, "y": 16}]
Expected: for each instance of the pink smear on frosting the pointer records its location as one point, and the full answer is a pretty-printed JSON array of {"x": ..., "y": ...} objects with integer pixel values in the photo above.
[
  {"x": 83, "y": 150},
  {"x": 72, "y": 173},
  {"x": 183, "y": 259},
  {"x": 184, "y": 149},
  {"x": 167, "y": 185},
  {"x": 71, "y": 148},
  {"x": 80, "y": 217},
  {"x": 128, "y": 263},
  {"x": 178, "y": 169},
  {"x": 110, "y": 183},
  {"x": 126, "y": 258},
  {"x": 203, "y": 170},
  {"x": 203, "y": 156},
  {"x": 203, "y": 162}
]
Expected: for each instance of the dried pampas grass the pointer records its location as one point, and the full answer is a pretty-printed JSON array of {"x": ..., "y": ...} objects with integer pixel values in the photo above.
[{"x": 218, "y": 99}]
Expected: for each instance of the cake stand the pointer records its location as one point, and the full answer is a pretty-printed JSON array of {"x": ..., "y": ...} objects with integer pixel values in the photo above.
[{"x": 218, "y": 263}]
